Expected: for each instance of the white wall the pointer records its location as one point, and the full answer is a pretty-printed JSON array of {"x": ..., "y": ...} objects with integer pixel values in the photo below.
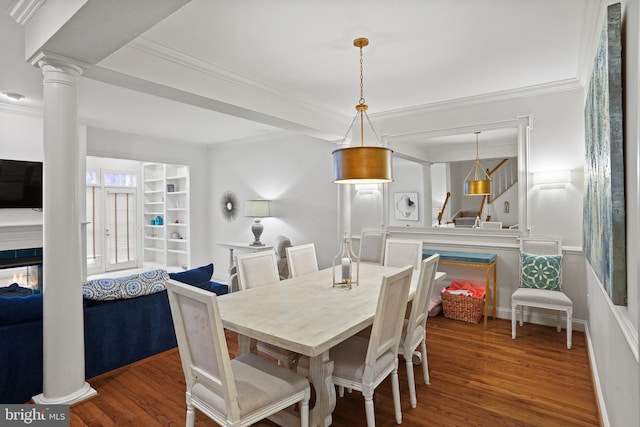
[{"x": 293, "y": 171}]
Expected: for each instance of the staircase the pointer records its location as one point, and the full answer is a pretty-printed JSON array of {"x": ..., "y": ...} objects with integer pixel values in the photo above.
[{"x": 503, "y": 176}]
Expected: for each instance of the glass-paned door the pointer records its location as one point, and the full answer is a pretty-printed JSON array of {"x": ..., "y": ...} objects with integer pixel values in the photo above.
[
  {"x": 95, "y": 241},
  {"x": 120, "y": 228}
]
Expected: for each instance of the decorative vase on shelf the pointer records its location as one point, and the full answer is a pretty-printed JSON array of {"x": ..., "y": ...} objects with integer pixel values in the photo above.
[
  {"x": 158, "y": 220},
  {"x": 346, "y": 265}
]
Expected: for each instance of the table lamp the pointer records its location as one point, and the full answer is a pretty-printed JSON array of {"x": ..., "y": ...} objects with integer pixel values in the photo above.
[{"x": 257, "y": 209}]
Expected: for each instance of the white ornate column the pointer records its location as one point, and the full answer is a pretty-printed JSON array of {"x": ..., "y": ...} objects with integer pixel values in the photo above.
[
  {"x": 63, "y": 321},
  {"x": 428, "y": 196},
  {"x": 344, "y": 212}
]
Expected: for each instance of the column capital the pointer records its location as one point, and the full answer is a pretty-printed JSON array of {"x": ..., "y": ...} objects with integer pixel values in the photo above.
[{"x": 57, "y": 62}]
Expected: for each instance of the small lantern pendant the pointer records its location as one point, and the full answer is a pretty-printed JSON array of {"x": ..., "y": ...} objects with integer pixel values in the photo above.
[{"x": 346, "y": 265}]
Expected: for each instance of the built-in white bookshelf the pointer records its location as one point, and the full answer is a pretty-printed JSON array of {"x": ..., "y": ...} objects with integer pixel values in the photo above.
[{"x": 166, "y": 196}]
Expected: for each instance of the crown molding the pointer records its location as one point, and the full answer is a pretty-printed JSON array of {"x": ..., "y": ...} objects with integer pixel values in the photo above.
[
  {"x": 21, "y": 110},
  {"x": 167, "y": 53},
  {"x": 23, "y": 10},
  {"x": 542, "y": 89}
]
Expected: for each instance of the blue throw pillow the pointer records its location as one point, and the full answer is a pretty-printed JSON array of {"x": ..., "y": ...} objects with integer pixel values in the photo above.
[
  {"x": 194, "y": 276},
  {"x": 215, "y": 287},
  {"x": 541, "y": 271}
]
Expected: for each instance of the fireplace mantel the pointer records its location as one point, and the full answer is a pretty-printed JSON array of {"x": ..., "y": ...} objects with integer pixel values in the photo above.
[{"x": 20, "y": 229}]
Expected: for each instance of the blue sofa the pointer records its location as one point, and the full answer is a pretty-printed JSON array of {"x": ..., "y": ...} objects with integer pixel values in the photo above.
[{"x": 116, "y": 333}]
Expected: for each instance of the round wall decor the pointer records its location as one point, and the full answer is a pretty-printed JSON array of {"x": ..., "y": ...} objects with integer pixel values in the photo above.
[{"x": 229, "y": 206}]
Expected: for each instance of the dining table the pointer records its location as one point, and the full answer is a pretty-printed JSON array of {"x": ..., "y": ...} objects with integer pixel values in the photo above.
[{"x": 308, "y": 315}]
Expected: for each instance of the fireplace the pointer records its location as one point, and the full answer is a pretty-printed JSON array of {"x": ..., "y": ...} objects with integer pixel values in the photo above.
[{"x": 22, "y": 266}]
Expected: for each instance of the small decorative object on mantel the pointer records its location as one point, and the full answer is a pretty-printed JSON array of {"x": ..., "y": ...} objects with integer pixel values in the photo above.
[{"x": 346, "y": 265}]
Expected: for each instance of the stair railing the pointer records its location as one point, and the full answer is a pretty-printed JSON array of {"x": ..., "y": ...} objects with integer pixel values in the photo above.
[{"x": 444, "y": 205}]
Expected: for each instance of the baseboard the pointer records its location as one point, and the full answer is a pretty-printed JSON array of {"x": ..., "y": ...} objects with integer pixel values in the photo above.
[{"x": 602, "y": 409}]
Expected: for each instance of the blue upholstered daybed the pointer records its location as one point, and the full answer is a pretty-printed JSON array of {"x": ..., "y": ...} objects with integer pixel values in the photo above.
[{"x": 116, "y": 333}]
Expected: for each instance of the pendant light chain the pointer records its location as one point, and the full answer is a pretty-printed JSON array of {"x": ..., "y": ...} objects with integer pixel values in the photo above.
[
  {"x": 362, "y": 100},
  {"x": 362, "y": 164}
]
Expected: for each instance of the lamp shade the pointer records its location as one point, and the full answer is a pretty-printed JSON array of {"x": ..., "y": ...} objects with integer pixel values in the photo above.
[
  {"x": 362, "y": 165},
  {"x": 258, "y": 208},
  {"x": 477, "y": 188},
  {"x": 474, "y": 185}
]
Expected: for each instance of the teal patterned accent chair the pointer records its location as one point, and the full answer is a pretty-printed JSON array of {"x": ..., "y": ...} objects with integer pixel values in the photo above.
[{"x": 541, "y": 283}]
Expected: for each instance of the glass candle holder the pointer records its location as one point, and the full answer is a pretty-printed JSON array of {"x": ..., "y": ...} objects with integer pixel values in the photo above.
[{"x": 346, "y": 265}]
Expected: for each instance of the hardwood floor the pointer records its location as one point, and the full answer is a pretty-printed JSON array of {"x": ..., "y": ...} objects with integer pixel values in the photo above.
[{"x": 478, "y": 378}]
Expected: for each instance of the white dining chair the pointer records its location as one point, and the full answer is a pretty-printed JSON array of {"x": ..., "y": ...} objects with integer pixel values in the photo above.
[
  {"x": 257, "y": 269},
  {"x": 362, "y": 364},
  {"x": 302, "y": 259},
  {"x": 260, "y": 269},
  {"x": 372, "y": 246},
  {"x": 238, "y": 392},
  {"x": 401, "y": 252},
  {"x": 415, "y": 328},
  {"x": 541, "y": 283}
]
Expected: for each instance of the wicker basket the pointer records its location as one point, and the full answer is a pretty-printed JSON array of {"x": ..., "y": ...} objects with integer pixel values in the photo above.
[{"x": 462, "y": 307}]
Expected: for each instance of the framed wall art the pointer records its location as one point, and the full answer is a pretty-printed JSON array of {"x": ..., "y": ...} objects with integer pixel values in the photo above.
[
  {"x": 604, "y": 228},
  {"x": 405, "y": 206}
]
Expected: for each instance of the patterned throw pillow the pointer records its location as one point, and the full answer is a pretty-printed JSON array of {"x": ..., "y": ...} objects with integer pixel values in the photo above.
[
  {"x": 541, "y": 271},
  {"x": 132, "y": 286}
]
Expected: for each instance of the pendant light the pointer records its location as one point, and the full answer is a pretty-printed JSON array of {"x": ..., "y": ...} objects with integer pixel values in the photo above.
[
  {"x": 479, "y": 184},
  {"x": 361, "y": 164}
]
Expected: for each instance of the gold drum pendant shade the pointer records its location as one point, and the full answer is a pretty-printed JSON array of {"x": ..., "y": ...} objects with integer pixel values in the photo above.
[
  {"x": 474, "y": 184},
  {"x": 362, "y": 165},
  {"x": 479, "y": 187}
]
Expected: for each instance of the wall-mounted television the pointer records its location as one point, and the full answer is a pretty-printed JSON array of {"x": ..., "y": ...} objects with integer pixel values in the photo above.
[{"x": 20, "y": 184}]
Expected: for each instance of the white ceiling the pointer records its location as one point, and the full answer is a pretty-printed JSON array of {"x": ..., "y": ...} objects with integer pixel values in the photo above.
[{"x": 421, "y": 52}]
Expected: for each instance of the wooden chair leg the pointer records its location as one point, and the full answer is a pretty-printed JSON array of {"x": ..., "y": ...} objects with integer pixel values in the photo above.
[
  {"x": 569, "y": 327},
  {"x": 369, "y": 411},
  {"x": 395, "y": 389},
  {"x": 514, "y": 315},
  {"x": 425, "y": 363},
  {"x": 412, "y": 384}
]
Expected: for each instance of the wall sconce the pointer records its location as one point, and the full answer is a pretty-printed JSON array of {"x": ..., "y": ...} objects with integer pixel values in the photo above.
[
  {"x": 257, "y": 209},
  {"x": 552, "y": 179},
  {"x": 362, "y": 189}
]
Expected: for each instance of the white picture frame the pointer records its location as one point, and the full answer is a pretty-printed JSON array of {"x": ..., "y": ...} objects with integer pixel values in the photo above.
[{"x": 405, "y": 206}]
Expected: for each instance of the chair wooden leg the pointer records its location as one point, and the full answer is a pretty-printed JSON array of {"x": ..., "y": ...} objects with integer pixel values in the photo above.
[
  {"x": 521, "y": 315},
  {"x": 514, "y": 314},
  {"x": 412, "y": 384},
  {"x": 425, "y": 363},
  {"x": 191, "y": 415},
  {"x": 368, "y": 409},
  {"x": 569, "y": 327},
  {"x": 558, "y": 321},
  {"x": 304, "y": 413},
  {"x": 395, "y": 389}
]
